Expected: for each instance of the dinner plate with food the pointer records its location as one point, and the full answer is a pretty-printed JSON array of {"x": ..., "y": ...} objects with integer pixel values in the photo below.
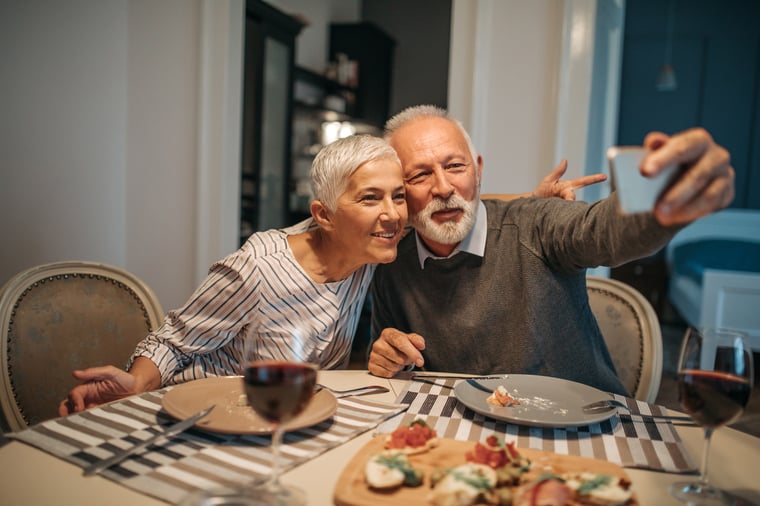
[
  {"x": 436, "y": 471},
  {"x": 232, "y": 414},
  {"x": 526, "y": 399}
]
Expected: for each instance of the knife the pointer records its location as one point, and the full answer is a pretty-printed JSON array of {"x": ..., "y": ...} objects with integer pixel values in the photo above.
[
  {"x": 479, "y": 386},
  {"x": 434, "y": 375},
  {"x": 169, "y": 432}
]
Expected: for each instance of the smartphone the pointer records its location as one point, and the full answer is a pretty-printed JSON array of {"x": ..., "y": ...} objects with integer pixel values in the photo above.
[{"x": 635, "y": 192}]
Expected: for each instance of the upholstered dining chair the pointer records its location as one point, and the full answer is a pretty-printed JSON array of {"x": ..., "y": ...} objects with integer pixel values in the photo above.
[
  {"x": 632, "y": 332},
  {"x": 63, "y": 316}
]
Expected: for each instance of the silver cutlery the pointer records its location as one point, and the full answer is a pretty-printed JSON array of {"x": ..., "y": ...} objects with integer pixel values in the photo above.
[
  {"x": 474, "y": 383},
  {"x": 607, "y": 404},
  {"x": 371, "y": 389},
  {"x": 169, "y": 432},
  {"x": 434, "y": 376}
]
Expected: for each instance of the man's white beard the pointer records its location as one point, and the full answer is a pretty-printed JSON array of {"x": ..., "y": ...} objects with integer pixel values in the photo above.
[{"x": 449, "y": 232}]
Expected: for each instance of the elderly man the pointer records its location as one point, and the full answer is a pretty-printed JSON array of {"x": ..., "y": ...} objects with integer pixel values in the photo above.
[{"x": 491, "y": 286}]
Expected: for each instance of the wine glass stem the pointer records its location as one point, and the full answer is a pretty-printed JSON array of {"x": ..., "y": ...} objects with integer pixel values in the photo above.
[
  {"x": 705, "y": 455},
  {"x": 276, "y": 442}
]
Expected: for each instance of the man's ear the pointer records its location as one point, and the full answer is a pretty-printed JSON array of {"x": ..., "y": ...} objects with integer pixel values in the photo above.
[{"x": 321, "y": 214}]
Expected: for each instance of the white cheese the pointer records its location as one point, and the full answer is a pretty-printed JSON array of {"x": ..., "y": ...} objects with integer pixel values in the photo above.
[
  {"x": 380, "y": 475},
  {"x": 463, "y": 485}
]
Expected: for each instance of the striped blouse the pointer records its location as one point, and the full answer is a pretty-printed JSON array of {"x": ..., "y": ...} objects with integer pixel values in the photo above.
[{"x": 258, "y": 291}]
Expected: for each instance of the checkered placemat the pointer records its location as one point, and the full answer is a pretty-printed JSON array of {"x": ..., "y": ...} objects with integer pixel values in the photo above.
[
  {"x": 623, "y": 439},
  {"x": 193, "y": 459}
]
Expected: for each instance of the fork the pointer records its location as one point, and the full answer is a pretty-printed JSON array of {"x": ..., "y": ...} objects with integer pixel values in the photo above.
[
  {"x": 371, "y": 389},
  {"x": 597, "y": 406}
]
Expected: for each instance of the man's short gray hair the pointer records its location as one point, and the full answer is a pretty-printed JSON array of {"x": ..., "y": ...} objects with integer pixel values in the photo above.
[
  {"x": 334, "y": 164},
  {"x": 426, "y": 111}
]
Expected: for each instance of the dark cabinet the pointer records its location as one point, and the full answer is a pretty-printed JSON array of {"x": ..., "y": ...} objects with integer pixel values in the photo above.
[
  {"x": 328, "y": 108},
  {"x": 289, "y": 113},
  {"x": 323, "y": 111},
  {"x": 372, "y": 49},
  {"x": 317, "y": 92},
  {"x": 317, "y": 103},
  {"x": 270, "y": 37}
]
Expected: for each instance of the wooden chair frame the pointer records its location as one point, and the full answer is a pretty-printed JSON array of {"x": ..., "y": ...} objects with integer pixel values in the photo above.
[{"x": 632, "y": 332}]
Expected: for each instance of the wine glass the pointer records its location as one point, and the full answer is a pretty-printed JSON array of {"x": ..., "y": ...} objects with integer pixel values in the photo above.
[
  {"x": 714, "y": 383},
  {"x": 278, "y": 391}
]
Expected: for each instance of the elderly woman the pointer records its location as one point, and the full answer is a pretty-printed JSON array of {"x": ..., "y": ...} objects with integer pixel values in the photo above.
[{"x": 301, "y": 288}]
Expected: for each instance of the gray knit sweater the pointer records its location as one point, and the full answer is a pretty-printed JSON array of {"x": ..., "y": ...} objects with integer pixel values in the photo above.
[{"x": 523, "y": 307}]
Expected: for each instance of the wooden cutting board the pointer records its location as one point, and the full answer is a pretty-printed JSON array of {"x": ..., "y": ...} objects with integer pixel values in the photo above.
[{"x": 352, "y": 490}]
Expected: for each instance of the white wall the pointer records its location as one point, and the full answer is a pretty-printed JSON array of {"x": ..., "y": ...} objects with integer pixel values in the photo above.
[
  {"x": 161, "y": 156},
  {"x": 63, "y": 127},
  {"x": 521, "y": 76},
  {"x": 98, "y": 135},
  {"x": 515, "y": 91}
]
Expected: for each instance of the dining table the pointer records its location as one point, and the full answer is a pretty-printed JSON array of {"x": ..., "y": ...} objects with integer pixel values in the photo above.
[{"x": 34, "y": 469}]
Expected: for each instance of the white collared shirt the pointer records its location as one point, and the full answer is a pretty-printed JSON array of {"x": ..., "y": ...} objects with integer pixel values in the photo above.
[{"x": 474, "y": 243}]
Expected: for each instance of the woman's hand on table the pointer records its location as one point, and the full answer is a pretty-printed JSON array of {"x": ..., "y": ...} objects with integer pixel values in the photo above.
[
  {"x": 101, "y": 384},
  {"x": 393, "y": 351},
  {"x": 108, "y": 383}
]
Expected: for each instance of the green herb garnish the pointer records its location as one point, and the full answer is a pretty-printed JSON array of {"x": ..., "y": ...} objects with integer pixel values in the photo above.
[
  {"x": 476, "y": 481},
  {"x": 594, "y": 483},
  {"x": 549, "y": 476},
  {"x": 412, "y": 478}
]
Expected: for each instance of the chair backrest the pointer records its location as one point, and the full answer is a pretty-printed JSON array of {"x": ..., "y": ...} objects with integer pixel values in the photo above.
[
  {"x": 62, "y": 316},
  {"x": 632, "y": 332}
]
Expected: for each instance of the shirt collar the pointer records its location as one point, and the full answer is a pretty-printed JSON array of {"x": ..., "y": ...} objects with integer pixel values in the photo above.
[{"x": 474, "y": 243}]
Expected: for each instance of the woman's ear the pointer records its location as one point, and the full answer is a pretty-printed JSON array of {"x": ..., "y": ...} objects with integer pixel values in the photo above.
[{"x": 321, "y": 214}]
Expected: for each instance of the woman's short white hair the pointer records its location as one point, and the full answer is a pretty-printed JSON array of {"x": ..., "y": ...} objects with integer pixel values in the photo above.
[
  {"x": 334, "y": 164},
  {"x": 426, "y": 111}
]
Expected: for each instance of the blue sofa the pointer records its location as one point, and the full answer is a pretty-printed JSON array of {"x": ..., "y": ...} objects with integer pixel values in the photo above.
[{"x": 714, "y": 272}]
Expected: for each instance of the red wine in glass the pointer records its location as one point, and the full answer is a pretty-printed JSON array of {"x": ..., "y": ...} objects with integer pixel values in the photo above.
[
  {"x": 279, "y": 391},
  {"x": 713, "y": 398}
]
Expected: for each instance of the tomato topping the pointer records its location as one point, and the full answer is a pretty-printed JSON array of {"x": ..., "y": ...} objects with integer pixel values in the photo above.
[
  {"x": 414, "y": 436},
  {"x": 513, "y": 454},
  {"x": 494, "y": 453}
]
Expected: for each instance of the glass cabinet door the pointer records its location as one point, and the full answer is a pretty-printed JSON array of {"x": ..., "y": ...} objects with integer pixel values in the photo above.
[
  {"x": 267, "y": 118},
  {"x": 274, "y": 170}
]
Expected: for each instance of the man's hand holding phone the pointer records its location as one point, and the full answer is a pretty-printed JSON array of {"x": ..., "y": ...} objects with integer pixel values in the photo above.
[
  {"x": 636, "y": 193},
  {"x": 700, "y": 181}
]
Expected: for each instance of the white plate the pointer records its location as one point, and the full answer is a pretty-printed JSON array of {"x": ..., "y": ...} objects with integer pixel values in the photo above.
[
  {"x": 544, "y": 401},
  {"x": 229, "y": 417}
]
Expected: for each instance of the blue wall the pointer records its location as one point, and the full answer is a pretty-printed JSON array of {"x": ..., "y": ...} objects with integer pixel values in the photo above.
[{"x": 716, "y": 57}]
